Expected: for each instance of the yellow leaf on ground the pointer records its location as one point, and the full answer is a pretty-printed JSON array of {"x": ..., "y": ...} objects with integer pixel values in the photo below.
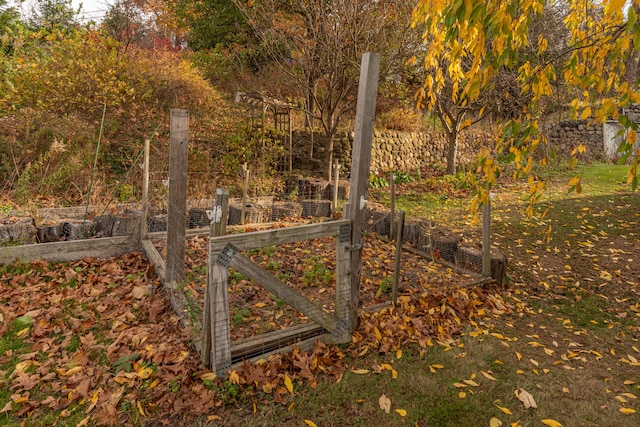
[
  {"x": 627, "y": 410},
  {"x": 503, "y": 409},
  {"x": 214, "y": 418},
  {"x": 140, "y": 409},
  {"x": 398, "y": 354},
  {"x": 360, "y": 371},
  {"x": 472, "y": 383},
  {"x": 401, "y": 412},
  {"x": 310, "y": 423},
  {"x": 519, "y": 356},
  {"x": 462, "y": 395},
  {"x": 494, "y": 422},
  {"x": 488, "y": 376},
  {"x": 208, "y": 376},
  {"x": 551, "y": 423},
  {"x": 288, "y": 383}
]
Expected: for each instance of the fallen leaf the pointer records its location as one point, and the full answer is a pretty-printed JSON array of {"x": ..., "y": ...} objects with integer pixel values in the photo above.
[
  {"x": 401, "y": 412},
  {"x": 488, "y": 376},
  {"x": 494, "y": 422},
  {"x": 385, "y": 403},
  {"x": 310, "y": 423},
  {"x": 551, "y": 423},
  {"x": 526, "y": 398},
  {"x": 627, "y": 411},
  {"x": 503, "y": 409},
  {"x": 360, "y": 371},
  {"x": 288, "y": 383}
]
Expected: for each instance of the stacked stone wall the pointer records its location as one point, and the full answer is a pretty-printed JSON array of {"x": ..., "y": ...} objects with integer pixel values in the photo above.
[
  {"x": 393, "y": 150},
  {"x": 568, "y": 134}
]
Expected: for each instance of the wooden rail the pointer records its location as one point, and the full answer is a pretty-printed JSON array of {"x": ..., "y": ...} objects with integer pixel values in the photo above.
[{"x": 278, "y": 236}]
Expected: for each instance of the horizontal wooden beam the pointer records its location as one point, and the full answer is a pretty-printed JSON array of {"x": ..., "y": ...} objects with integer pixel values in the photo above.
[
  {"x": 70, "y": 250},
  {"x": 305, "y": 345},
  {"x": 155, "y": 258},
  {"x": 278, "y": 236},
  {"x": 259, "y": 275},
  {"x": 261, "y": 344}
]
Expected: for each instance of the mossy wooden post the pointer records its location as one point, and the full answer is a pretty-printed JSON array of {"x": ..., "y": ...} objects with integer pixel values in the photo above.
[
  {"x": 210, "y": 319},
  {"x": 360, "y": 167},
  {"x": 177, "y": 210}
]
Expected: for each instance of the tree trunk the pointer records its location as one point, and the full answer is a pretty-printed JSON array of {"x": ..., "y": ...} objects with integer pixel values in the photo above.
[
  {"x": 452, "y": 151},
  {"x": 327, "y": 158}
]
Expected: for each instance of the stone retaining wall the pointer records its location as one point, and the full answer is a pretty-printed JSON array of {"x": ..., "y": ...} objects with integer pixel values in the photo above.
[
  {"x": 392, "y": 150},
  {"x": 568, "y": 134}
]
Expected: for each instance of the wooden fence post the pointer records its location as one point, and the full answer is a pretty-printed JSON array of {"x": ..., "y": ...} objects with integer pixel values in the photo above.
[
  {"x": 342, "y": 333},
  {"x": 217, "y": 278},
  {"x": 145, "y": 191},
  {"x": 245, "y": 192},
  {"x": 219, "y": 220},
  {"x": 486, "y": 238},
  {"x": 392, "y": 212},
  {"x": 360, "y": 167},
  {"x": 336, "y": 177},
  {"x": 177, "y": 210},
  {"x": 396, "y": 269}
]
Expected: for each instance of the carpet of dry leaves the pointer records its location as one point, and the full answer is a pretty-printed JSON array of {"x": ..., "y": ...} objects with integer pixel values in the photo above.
[{"x": 105, "y": 348}]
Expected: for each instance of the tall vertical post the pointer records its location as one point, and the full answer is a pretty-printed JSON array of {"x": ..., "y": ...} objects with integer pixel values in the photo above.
[
  {"x": 336, "y": 176},
  {"x": 177, "y": 210},
  {"x": 290, "y": 142},
  {"x": 486, "y": 238},
  {"x": 145, "y": 191},
  {"x": 396, "y": 268},
  {"x": 216, "y": 294},
  {"x": 360, "y": 167},
  {"x": 245, "y": 192},
  {"x": 392, "y": 212}
]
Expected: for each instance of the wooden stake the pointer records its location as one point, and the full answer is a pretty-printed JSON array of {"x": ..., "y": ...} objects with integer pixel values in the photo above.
[
  {"x": 177, "y": 210},
  {"x": 392, "y": 213},
  {"x": 361, "y": 164},
  {"x": 245, "y": 192},
  {"x": 396, "y": 270},
  {"x": 290, "y": 143},
  {"x": 145, "y": 191},
  {"x": 486, "y": 238},
  {"x": 336, "y": 176}
]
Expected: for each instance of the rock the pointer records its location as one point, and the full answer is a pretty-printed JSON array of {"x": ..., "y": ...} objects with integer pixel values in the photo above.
[{"x": 17, "y": 230}]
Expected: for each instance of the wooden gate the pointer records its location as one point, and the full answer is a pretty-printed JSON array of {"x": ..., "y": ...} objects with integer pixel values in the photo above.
[{"x": 224, "y": 252}]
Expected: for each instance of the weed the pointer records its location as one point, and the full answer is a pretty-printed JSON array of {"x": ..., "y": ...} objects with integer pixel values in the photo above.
[
  {"x": 238, "y": 318},
  {"x": 74, "y": 344},
  {"x": 124, "y": 362},
  {"x": 315, "y": 272}
]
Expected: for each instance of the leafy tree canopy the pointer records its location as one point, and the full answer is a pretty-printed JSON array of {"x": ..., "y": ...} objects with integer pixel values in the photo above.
[{"x": 469, "y": 43}]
